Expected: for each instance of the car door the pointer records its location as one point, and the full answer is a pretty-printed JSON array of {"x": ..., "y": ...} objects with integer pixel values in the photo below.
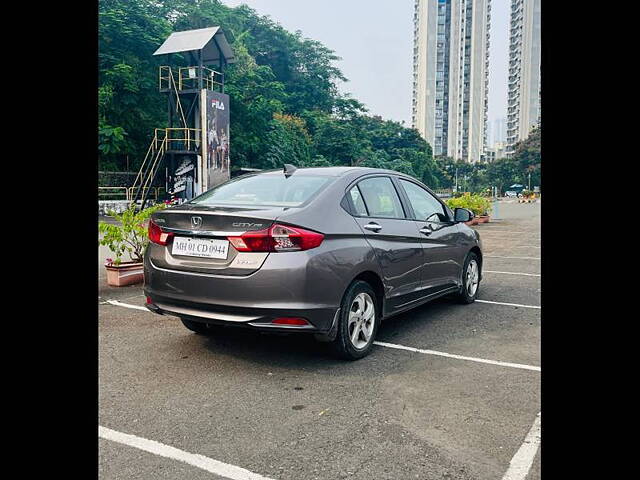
[
  {"x": 441, "y": 268},
  {"x": 393, "y": 236}
]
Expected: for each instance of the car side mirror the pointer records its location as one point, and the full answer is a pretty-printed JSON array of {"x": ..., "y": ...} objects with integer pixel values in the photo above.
[{"x": 462, "y": 215}]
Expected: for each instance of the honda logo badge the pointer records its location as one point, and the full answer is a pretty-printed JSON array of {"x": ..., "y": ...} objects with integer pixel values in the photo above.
[{"x": 196, "y": 222}]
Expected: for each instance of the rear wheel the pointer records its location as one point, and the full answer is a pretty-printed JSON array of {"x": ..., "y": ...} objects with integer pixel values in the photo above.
[
  {"x": 199, "y": 327},
  {"x": 358, "y": 323},
  {"x": 470, "y": 279}
]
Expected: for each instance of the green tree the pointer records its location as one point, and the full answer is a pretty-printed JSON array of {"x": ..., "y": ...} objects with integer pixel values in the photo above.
[
  {"x": 285, "y": 103},
  {"x": 129, "y": 104},
  {"x": 528, "y": 157},
  {"x": 288, "y": 142}
]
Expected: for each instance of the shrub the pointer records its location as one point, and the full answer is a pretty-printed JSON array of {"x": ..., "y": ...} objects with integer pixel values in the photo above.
[
  {"x": 130, "y": 236},
  {"x": 478, "y": 204}
]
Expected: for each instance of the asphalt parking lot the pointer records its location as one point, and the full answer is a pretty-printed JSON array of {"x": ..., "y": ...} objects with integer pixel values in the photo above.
[{"x": 463, "y": 404}]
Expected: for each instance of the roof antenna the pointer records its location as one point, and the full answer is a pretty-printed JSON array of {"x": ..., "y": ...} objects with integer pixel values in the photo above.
[{"x": 288, "y": 170}]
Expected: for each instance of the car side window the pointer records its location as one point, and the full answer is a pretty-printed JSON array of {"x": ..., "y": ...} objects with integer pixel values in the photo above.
[
  {"x": 425, "y": 206},
  {"x": 358, "y": 202},
  {"x": 381, "y": 198}
]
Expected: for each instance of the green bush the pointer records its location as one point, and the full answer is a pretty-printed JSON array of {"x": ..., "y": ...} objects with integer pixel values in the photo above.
[
  {"x": 130, "y": 236},
  {"x": 478, "y": 204}
]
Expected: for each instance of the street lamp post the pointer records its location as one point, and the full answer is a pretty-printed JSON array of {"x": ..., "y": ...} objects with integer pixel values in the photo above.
[{"x": 456, "y": 179}]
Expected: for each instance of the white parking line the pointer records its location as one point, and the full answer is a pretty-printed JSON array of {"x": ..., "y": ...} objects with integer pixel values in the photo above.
[
  {"x": 508, "y": 232},
  {"x": 517, "y": 258},
  {"x": 126, "y": 305},
  {"x": 523, "y": 459},
  {"x": 509, "y": 304},
  {"x": 199, "y": 461},
  {"x": 459, "y": 357},
  {"x": 512, "y": 273}
]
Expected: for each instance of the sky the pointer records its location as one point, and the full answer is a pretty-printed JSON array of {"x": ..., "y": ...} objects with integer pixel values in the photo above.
[{"x": 374, "y": 38}]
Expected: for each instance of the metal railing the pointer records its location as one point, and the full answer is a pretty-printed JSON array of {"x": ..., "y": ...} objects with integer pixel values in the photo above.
[
  {"x": 155, "y": 190},
  {"x": 148, "y": 171},
  {"x": 188, "y": 78},
  {"x": 178, "y": 138},
  {"x": 127, "y": 192},
  {"x": 109, "y": 192},
  {"x": 186, "y": 139},
  {"x": 168, "y": 82}
]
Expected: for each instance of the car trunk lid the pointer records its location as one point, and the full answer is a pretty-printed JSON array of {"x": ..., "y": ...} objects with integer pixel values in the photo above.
[{"x": 198, "y": 224}]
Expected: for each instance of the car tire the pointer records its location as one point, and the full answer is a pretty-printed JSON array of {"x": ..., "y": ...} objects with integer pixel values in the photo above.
[
  {"x": 469, "y": 292},
  {"x": 359, "y": 310},
  {"x": 199, "y": 327}
]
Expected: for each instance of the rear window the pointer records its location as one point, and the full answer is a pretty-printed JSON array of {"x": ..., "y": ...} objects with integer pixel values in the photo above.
[{"x": 265, "y": 190}]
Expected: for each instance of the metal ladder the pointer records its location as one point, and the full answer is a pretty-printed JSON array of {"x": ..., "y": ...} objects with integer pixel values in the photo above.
[{"x": 155, "y": 155}]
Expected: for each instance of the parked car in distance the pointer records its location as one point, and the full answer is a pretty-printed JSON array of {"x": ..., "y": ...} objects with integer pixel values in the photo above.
[
  {"x": 325, "y": 251},
  {"x": 512, "y": 194}
]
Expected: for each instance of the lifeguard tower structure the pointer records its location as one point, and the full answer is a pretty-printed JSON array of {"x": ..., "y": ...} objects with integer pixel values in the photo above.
[{"x": 192, "y": 152}]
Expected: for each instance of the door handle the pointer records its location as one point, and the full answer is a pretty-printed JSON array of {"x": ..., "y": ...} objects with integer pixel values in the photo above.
[
  {"x": 426, "y": 230},
  {"x": 374, "y": 227}
]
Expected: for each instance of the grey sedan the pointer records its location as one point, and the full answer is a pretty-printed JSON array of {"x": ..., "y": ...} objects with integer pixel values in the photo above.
[{"x": 326, "y": 251}]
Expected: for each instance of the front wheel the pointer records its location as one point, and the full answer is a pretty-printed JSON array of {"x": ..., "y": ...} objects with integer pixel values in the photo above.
[
  {"x": 470, "y": 279},
  {"x": 358, "y": 322}
]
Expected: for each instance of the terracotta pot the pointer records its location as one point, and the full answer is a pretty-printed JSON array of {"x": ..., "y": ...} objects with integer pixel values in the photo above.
[
  {"x": 483, "y": 218},
  {"x": 127, "y": 273}
]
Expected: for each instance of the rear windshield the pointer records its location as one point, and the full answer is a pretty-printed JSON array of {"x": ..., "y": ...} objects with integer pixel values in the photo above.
[{"x": 264, "y": 190}]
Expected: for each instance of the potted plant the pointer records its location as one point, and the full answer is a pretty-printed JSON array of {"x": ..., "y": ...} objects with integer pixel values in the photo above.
[
  {"x": 130, "y": 237},
  {"x": 528, "y": 196},
  {"x": 483, "y": 205},
  {"x": 479, "y": 205}
]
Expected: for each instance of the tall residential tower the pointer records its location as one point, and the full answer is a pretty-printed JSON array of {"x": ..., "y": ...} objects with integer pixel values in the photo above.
[
  {"x": 450, "y": 75},
  {"x": 523, "y": 107}
]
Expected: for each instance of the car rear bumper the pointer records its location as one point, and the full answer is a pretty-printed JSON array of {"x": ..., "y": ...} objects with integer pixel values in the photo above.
[
  {"x": 285, "y": 286},
  {"x": 320, "y": 319}
]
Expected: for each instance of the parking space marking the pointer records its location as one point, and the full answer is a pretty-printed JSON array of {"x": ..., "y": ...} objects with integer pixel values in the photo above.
[
  {"x": 512, "y": 273},
  {"x": 459, "y": 357},
  {"x": 126, "y": 305},
  {"x": 125, "y": 298},
  {"x": 508, "y": 232},
  {"x": 411, "y": 349},
  {"x": 509, "y": 304},
  {"x": 199, "y": 461},
  {"x": 516, "y": 258},
  {"x": 523, "y": 459}
]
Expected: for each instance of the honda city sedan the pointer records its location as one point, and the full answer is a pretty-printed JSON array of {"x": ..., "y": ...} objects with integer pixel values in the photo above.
[{"x": 325, "y": 251}]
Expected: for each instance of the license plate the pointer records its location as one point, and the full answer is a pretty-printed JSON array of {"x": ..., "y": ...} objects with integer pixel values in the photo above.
[{"x": 200, "y": 247}]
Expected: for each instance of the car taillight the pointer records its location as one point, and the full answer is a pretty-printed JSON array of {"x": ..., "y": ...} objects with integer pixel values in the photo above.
[
  {"x": 290, "y": 321},
  {"x": 277, "y": 238},
  {"x": 156, "y": 235}
]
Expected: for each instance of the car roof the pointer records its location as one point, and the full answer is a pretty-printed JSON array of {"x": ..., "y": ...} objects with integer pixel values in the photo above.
[{"x": 330, "y": 171}]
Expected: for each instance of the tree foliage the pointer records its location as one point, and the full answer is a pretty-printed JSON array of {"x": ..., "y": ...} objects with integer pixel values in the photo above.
[{"x": 285, "y": 103}]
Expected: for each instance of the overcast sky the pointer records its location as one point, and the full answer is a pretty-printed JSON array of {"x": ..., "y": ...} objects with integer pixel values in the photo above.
[{"x": 375, "y": 40}]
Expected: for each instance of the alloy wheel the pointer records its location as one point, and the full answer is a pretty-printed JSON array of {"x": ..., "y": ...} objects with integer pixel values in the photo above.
[
  {"x": 362, "y": 316},
  {"x": 473, "y": 277}
]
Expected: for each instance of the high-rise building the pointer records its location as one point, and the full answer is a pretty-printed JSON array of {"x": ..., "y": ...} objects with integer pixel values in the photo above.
[
  {"x": 450, "y": 75},
  {"x": 499, "y": 131},
  {"x": 523, "y": 104}
]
